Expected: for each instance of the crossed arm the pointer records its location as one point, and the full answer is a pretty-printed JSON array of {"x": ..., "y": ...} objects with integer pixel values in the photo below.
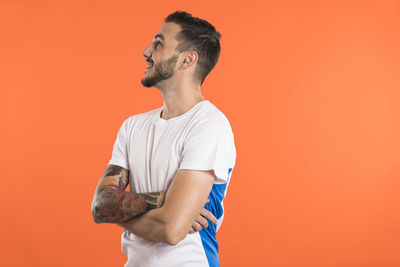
[
  {"x": 167, "y": 222},
  {"x": 112, "y": 204}
]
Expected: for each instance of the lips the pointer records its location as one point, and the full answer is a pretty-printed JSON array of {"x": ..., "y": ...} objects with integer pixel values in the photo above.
[{"x": 149, "y": 65}]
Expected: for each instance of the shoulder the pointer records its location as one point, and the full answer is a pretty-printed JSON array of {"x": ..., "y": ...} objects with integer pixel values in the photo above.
[
  {"x": 213, "y": 118},
  {"x": 209, "y": 123}
]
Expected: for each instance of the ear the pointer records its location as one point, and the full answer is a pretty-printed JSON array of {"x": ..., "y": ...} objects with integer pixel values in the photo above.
[{"x": 190, "y": 58}]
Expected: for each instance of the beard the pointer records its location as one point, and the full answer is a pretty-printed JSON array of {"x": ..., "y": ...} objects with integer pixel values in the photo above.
[{"x": 161, "y": 71}]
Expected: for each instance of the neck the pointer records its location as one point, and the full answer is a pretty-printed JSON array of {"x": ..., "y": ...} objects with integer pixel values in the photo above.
[{"x": 178, "y": 100}]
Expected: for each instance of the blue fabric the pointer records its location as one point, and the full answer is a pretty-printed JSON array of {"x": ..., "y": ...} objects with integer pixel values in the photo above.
[{"x": 208, "y": 235}]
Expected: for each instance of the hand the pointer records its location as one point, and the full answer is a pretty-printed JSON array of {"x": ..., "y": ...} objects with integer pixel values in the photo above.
[{"x": 200, "y": 223}]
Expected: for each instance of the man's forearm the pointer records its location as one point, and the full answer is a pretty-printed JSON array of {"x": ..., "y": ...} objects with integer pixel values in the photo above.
[
  {"x": 153, "y": 226},
  {"x": 113, "y": 205}
]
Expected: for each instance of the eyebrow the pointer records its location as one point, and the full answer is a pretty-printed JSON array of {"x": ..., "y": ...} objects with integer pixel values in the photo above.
[{"x": 158, "y": 35}]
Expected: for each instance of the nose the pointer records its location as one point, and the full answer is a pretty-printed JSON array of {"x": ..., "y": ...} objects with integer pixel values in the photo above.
[{"x": 147, "y": 51}]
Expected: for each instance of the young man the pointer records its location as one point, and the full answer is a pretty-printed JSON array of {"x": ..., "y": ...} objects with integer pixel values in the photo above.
[{"x": 184, "y": 148}]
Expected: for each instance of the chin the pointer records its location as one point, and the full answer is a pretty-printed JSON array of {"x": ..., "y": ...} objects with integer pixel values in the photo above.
[{"x": 146, "y": 83}]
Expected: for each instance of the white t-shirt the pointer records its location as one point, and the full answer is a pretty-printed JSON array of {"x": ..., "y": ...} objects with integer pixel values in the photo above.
[{"x": 153, "y": 149}]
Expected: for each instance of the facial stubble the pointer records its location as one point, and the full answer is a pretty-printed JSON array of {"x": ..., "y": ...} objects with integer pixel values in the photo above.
[{"x": 161, "y": 71}]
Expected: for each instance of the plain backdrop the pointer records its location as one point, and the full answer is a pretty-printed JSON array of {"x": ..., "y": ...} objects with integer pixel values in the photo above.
[{"x": 312, "y": 92}]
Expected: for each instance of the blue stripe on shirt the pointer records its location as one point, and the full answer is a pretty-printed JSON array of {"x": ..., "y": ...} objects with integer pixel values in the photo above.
[{"x": 208, "y": 235}]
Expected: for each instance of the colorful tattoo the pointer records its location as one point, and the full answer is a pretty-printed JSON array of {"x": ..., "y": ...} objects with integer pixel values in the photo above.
[{"x": 113, "y": 204}]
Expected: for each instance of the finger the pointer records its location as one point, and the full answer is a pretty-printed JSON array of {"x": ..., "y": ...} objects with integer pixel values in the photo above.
[
  {"x": 191, "y": 231},
  {"x": 197, "y": 227},
  {"x": 202, "y": 221},
  {"x": 207, "y": 214}
]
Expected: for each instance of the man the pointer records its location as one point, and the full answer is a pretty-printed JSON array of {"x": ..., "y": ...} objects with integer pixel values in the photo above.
[{"x": 185, "y": 148}]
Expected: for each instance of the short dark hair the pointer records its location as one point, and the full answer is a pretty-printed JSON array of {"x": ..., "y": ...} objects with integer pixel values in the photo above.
[{"x": 200, "y": 36}]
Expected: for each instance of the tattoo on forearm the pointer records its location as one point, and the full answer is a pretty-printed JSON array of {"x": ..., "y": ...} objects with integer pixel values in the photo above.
[
  {"x": 120, "y": 174},
  {"x": 113, "y": 204}
]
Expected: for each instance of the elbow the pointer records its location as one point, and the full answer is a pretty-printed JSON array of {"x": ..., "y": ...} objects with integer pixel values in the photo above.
[
  {"x": 95, "y": 217},
  {"x": 174, "y": 234},
  {"x": 168, "y": 229},
  {"x": 95, "y": 213},
  {"x": 172, "y": 240}
]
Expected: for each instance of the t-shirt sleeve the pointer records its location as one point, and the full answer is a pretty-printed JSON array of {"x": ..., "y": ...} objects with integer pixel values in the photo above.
[
  {"x": 119, "y": 154},
  {"x": 210, "y": 146}
]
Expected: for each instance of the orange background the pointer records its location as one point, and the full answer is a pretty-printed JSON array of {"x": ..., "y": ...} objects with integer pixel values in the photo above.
[{"x": 312, "y": 91}]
